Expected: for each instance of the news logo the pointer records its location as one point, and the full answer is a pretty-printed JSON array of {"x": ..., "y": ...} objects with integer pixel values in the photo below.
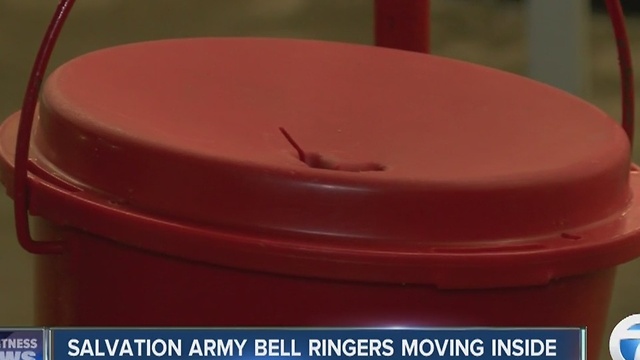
[
  {"x": 21, "y": 344},
  {"x": 624, "y": 343}
]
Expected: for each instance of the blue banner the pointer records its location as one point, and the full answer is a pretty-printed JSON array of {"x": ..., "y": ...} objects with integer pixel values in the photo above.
[
  {"x": 22, "y": 344},
  {"x": 329, "y": 344}
]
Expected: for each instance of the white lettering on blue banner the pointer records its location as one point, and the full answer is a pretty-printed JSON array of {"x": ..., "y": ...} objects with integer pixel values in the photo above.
[{"x": 309, "y": 343}]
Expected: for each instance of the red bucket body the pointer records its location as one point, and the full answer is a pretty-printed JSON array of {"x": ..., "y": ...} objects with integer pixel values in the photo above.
[
  {"x": 409, "y": 190},
  {"x": 150, "y": 289}
]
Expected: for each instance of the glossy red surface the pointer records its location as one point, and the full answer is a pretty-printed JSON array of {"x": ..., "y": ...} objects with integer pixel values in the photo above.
[{"x": 99, "y": 282}]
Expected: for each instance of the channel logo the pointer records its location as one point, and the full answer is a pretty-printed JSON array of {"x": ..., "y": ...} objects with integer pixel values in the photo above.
[{"x": 624, "y": 343}]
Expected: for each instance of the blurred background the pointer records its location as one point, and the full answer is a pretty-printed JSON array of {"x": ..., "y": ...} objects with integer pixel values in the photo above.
[{"x": 489, "y": 32}]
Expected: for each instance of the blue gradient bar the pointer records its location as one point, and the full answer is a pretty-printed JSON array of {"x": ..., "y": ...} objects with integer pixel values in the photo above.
[{"x": 309, "y": 343}]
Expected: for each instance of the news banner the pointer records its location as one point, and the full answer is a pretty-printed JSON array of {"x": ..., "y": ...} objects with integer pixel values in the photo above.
[{"x": 292, "y": 343}]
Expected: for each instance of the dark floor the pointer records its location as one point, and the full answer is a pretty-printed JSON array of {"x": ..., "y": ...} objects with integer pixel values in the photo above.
[{"x": 489, "y": 32}]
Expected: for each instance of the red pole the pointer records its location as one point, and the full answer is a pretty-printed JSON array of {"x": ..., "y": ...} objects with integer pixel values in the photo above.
[{"x": 402, "y": 24}]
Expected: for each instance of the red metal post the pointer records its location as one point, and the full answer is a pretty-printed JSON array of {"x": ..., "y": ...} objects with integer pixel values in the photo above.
[{"x": 402, "y": 24}]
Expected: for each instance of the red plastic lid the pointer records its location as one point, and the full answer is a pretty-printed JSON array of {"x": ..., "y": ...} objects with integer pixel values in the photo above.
[{"x": 460, "y": 156}]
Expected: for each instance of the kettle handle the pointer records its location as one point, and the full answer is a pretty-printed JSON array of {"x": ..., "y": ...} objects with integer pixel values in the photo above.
[
  {"x": 23, "y": 142},
  {"x": 616, "y": 15},
  {"x": 397, "y": 23}
]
